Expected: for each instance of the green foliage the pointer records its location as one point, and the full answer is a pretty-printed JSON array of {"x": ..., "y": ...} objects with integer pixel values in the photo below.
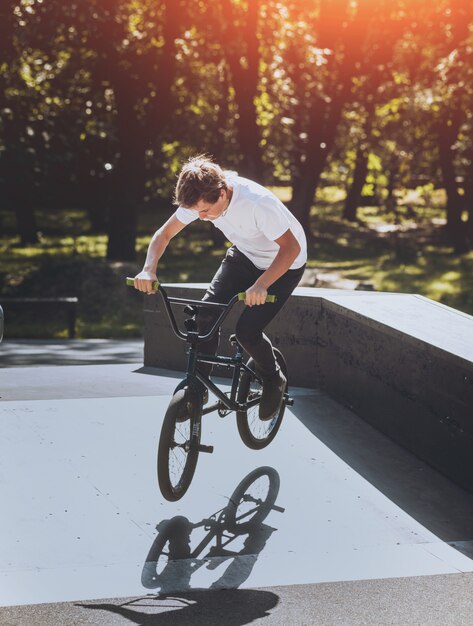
[
  {"x": 404, "y": 257},
  {"x": 96, "y": 95},
  {"x": 392, "y": 252}
]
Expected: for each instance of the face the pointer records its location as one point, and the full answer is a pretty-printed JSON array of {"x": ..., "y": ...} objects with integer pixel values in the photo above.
[{"x": 209, "y": 211}]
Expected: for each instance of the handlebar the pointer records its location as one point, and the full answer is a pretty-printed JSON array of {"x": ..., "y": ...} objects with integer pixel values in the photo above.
[
  {"x": 130, "y": 282},
  {"x": 168, "y": 300},
  {"x": 241, "y": 296}
]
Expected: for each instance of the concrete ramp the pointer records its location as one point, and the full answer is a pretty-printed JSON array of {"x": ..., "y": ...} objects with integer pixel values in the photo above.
[{"x": 81, "y": 503}]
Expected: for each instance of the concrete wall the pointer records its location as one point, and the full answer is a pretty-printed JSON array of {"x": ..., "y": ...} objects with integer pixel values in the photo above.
[{"x": 402, "y": 362}]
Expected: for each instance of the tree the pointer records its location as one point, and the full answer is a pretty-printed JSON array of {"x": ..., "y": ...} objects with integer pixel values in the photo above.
[
  {"x": 134, "y": 48},
  {"x": 17, "y": 156},
  {"x": 338, "y": 35}
]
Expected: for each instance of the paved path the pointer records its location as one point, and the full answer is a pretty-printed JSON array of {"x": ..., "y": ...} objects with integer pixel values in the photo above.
[
  {"x": 364, "y": 533},
  {"x": 21, "y": 353}
]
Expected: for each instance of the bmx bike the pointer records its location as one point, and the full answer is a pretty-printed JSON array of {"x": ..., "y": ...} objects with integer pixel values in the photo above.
[{"x": 180, "y": 440}]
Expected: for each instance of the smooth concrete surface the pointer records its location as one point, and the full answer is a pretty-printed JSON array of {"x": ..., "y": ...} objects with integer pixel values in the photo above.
[
  {"x": 85, "y": 381},
  {"x": 358, "y": 518},
  {"x": 27, "y": 352},
  {"x": 414, "y": 316}
]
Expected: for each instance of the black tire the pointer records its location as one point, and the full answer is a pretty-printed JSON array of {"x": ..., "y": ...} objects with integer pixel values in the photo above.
[
  {"x": 171, "y": 544},
  {"x": 254, "y": 432},
  {"x": 176, "y": 465},
  {"x": 252, "y": 500}
]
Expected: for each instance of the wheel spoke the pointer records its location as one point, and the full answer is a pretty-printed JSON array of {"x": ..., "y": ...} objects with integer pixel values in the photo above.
[{"x": 245, "y": 507}]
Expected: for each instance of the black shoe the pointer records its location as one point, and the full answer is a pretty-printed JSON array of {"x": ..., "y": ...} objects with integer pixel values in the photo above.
[{"x": 272, "y": 397}]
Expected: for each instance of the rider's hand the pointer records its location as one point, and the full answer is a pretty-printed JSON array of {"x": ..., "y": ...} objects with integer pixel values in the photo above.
[
  {"x": 144, "y": 282},
  {"x": 256, "y": 294}
]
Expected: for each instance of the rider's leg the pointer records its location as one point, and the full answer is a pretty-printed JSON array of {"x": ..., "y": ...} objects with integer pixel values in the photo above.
[
  {"x": 236, "y": 273},
  {"x": 250, "y": 334},
  {"x": 249, "y": 328}
]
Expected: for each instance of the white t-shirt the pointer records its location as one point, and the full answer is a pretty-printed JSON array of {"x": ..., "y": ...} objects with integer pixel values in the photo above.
[{"x": 254, "y": 219}]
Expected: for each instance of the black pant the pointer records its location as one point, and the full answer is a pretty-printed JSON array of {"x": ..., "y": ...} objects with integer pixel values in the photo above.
[{"x": 237, "y": 273}]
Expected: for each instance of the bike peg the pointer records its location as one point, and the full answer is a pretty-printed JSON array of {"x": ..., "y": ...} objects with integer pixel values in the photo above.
[
  {"x": 202, "y": 448},
  {"x": 130, "y": 282},
  {"x": 269, "y": 298}
]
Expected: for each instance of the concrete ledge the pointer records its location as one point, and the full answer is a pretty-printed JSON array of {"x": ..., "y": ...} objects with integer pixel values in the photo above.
[{"x": 402, "y": 362}]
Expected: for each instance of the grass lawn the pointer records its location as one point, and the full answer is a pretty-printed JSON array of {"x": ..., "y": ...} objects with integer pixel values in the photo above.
[{"x": 402, "y": 253}]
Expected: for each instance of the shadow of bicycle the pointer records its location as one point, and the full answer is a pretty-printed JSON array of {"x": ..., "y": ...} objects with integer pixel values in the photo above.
[
  {"x": 235, "y": 535},
  {"x": 182, "y": 547}
]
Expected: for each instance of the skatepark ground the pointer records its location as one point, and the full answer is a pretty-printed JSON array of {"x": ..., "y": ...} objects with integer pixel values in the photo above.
[{"x": 363, "y": 532}]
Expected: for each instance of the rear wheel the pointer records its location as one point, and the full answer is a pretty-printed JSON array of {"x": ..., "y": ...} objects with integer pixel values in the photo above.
[
  {"x": 254, "y": 432},
  {"x": 176, "y": 459},
  {"x": 171, "y": 544}
]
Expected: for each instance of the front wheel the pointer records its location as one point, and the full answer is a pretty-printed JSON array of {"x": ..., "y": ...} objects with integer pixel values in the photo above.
[
  {"x": 252, "y": 500},
  {"x": 177, "y": 459},
  {"x": 254, "y": 432}
]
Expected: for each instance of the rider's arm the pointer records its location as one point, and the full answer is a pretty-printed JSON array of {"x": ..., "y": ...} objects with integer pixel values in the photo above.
[
  {"x": 289, "y": 249},
  {"x": 158, "y": 244}
]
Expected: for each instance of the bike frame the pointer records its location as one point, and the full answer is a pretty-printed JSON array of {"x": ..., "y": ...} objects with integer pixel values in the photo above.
[
  {"x": 196, "y": 357},
  {"x": 215, "y": 528}
]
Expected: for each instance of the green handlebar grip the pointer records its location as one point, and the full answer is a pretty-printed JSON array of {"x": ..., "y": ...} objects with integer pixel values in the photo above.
[
  {"x": 269, "y": 298},
  {"x": 131, "y": 283}
]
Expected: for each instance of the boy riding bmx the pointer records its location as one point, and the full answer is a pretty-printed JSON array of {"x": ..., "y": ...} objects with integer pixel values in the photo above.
[{"x": 269, "y": 251}]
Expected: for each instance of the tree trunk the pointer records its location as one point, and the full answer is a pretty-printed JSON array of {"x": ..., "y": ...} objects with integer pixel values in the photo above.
[
  {"x": 244, "y": 70},
  {"x": 136, "y": 132},
  {"x": 24, "y": 212},
  {"x": 128, "y": 191},
  {"x": 303, "y": 195},
  {"x": 469, "y": 202},
  {"x": 354, "y": 194},
  {"x": 15, "y": 166},
  {"x": 97, "y": 202},
  {"x": 391, "y": 201},
  {"x": 322, "y": 138},
  {"x": 361, "y": 164},
  {"x": 323, "y": 127},
  {"x": 216, "y": 142},
  {"x": 128, "y": 178},
  {"x": 447, "y": 135}
]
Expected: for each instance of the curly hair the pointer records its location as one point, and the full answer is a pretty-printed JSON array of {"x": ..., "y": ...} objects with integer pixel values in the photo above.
[{"x": 199, "y": 179}]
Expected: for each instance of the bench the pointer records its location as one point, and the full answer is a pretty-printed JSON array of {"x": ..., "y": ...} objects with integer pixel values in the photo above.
[{"x": 69, "y": 304}]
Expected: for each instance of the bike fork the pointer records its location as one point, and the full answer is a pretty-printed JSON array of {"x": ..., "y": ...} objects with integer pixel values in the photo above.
[{"x": 194, "y": 444}]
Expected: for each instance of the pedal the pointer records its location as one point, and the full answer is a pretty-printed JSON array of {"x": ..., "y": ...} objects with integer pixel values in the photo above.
[
  {"x": 202, "y": 448},
  {"x": 190, "y": 310},
  {"x": 223, "y": 411},
  {"x": 289, "y": 401}
]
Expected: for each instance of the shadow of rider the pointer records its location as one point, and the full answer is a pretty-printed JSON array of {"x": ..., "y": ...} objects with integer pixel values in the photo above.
[{"x": 233, "y": 607}]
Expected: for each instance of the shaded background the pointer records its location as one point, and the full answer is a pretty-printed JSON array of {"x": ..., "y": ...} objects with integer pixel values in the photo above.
[{"x": 357, "y": 112}]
